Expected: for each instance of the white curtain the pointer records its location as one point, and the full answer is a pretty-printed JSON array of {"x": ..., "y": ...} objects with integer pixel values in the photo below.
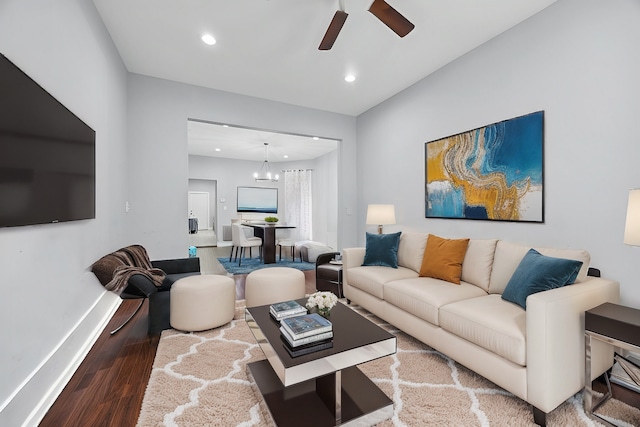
[{"x": 298, "y": 203}]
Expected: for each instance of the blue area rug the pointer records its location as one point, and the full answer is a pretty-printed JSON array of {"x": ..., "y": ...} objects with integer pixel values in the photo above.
[{"x": 251, "y": 264}]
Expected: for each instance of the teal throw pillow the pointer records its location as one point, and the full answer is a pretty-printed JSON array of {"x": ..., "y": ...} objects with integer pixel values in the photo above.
[
  {"x": 537, "y": 273},
  {"x": 382, "y": 249}
]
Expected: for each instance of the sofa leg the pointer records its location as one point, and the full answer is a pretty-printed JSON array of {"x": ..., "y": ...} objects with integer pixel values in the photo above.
[
  {"x": 348, "y": 301},
  {"x": 539, "y": 417},
  {"x": 129, "y": 318}
]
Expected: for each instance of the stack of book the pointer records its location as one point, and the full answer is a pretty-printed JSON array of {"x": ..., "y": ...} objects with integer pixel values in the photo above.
[
  {"x": 626, "y": 372},
  {"x": 306, "y": 333},
  {"x": 285, "y": 309}
]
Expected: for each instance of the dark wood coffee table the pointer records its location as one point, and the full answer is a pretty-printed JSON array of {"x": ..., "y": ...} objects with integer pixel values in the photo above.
[{"x": 324, "y": 388}]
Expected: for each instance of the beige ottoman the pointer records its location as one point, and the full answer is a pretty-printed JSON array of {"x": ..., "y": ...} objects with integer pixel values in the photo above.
[
  {"x": 274, "y": 284},
  {"x": 202, "y": 302}
]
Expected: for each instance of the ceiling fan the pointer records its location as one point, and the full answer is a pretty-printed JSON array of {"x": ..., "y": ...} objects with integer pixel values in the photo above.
[{"x": 381, "y": 9}]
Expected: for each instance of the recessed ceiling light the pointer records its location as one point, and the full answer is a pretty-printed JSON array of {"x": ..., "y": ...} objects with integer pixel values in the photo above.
[
  {"x": 225, "y": 126},
  {"x": 315, "y": 138},
  {"x": 349, "y": 78},
  {"x": 217, "y": 149},
  {"x": 208, "y": 39},
  {"x": 285, "y": 156}
]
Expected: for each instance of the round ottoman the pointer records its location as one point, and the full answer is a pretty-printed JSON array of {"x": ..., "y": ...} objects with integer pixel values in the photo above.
[
  {"x": 274, "y": 284},
  {"x": 202, "y": 302}
]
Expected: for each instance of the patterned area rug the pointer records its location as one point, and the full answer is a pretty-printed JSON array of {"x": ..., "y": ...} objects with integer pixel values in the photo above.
[
  {"x": 250, "y": 264},
  {"x": 200, "y": 379}
]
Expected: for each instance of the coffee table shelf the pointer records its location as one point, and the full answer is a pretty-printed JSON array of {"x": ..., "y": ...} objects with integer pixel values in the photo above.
[{"x": 301, "y": 405}]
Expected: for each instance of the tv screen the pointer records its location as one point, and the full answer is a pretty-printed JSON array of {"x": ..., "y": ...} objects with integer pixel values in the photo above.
[
  {"x": 258, "y": 199},
  {"x": 47, "y": 155}
]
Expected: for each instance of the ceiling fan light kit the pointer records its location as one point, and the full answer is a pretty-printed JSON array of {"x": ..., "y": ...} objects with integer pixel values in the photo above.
[{"x": 380, "y": 9}]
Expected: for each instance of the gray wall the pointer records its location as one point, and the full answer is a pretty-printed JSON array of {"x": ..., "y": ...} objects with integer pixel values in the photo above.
[
  {"x": 158, "y": 113},
  {"x": 578, "y": 61},
  {"x": 49, "y": 298}
]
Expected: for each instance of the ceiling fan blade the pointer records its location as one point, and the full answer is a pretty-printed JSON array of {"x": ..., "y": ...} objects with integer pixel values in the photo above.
[
  {"x": 391, "y": 17},
  {"x": 334, "y": 29}
]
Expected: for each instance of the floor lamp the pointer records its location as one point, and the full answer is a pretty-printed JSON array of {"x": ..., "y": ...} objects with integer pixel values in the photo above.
[{"x": 381, "y": 215}]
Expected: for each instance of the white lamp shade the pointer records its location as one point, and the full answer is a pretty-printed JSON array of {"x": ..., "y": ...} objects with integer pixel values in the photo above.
[
  {"x": 381, "y": 215},
  {"x": 632, "y": 226}
]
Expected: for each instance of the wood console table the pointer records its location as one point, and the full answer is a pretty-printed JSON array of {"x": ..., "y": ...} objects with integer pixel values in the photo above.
[
  {"x": 613, "y": 324},
  {"x": 268, "y": 235}
]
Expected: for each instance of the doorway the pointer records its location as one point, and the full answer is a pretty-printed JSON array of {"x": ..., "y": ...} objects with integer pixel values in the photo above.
[
  {"x": 202, "y": 194},
  {"x": 232, "y": 155},
  {"x": 199, "y": 209}
]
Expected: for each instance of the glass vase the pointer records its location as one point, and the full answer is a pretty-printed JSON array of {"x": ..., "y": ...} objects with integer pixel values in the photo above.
[{"x": 324, "y": 312}]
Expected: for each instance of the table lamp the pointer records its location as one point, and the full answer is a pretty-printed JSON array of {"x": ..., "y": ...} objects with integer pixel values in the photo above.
[
  {"x": 632, "y": 226},
  {"x": 381, "y": 215}
]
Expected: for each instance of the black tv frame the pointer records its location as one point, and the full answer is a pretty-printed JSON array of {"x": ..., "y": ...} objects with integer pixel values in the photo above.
[{"x": 47, "y": 155}]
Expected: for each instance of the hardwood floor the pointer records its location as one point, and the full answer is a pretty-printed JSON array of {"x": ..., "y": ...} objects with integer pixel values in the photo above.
[{"x": 108, "y": 387}]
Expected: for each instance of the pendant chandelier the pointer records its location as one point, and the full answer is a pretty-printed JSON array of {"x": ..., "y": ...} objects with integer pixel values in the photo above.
[{"x": 265, "y": 171}]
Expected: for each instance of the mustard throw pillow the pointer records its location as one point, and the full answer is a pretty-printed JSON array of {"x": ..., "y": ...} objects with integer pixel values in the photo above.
[{"x": 443, "y": 258}]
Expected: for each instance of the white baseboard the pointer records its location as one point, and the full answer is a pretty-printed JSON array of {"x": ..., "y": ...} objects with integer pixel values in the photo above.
[{"x": 31, "y": 401}]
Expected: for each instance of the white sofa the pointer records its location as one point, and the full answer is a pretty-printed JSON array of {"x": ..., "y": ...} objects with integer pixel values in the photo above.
[{"x": 536, "y": 354}]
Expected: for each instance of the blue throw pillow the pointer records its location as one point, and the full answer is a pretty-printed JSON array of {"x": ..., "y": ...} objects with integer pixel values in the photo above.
[
  {"x": 537, "y": 273},
  {"x": 382, "y": 249}
]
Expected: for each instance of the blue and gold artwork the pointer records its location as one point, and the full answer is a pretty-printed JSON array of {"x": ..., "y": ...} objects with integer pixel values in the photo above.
[{"x": 494, "y": 172}]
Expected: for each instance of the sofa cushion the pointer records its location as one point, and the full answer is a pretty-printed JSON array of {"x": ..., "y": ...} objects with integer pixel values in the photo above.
[
  {"x": 476, "y": 267},
  {"x": 502, "y": 333},
  {"x": 508, "y": 256},
  {"x": 423, "y": 296},
  {"x": 411, "y": 250},
  {"x": 382, "y": 249},
  {"x": 537, "y": 273},
  {"x": 443, "y": 258},
  {"x": 370, "y": 279}
]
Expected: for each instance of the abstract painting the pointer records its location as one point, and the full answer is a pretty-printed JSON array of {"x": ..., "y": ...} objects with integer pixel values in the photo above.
[{"x": 493, "y": 173}]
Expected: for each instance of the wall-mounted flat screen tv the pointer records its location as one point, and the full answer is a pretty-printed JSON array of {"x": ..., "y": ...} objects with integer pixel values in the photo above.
[
  {"x": 47, "y": 155},
  {"x": 258, "y": 199}
]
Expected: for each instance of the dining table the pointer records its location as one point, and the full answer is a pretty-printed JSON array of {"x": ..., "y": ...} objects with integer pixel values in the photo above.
[{"x": 267, "y": 232}]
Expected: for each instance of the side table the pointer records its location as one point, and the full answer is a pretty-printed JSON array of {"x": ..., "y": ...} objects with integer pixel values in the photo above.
[
  {"x": 328, "y": 274},
  {"x": 613, "y": 324}
]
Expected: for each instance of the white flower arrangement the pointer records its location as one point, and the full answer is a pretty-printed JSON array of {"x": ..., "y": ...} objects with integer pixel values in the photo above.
[{"x": 325, "y": 301}]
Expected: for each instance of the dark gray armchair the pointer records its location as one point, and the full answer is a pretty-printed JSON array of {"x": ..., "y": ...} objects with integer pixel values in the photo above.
[{"x": 129, "y": 273}]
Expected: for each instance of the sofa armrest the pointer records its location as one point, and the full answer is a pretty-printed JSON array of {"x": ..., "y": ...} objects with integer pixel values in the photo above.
[
  {"x": 179, "y": 265},
  {"x": 555, "y": 340},
  {"x": 351, "y": 257},
  {"x": 140, "y": 284}
]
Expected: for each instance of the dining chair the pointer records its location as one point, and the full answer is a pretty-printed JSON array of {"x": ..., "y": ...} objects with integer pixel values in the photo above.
[{"x": 240, "y": 241}]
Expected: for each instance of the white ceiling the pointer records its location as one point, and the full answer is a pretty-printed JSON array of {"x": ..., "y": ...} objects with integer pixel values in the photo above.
[{"x": 269, "y": 49}]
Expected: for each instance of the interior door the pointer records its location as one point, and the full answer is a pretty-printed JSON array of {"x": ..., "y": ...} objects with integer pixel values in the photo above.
[{"x": 199, "y": 208}]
